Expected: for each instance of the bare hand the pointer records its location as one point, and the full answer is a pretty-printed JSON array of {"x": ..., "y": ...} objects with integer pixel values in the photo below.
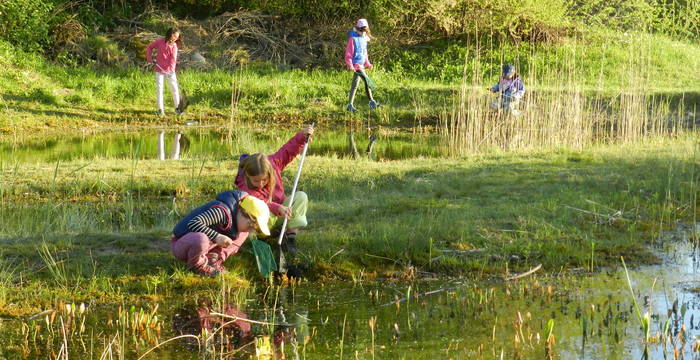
[
  {"x": 286, "y": 212},
  {"x": 308, "y": 131},
  {"x": 223, "y": 240}
]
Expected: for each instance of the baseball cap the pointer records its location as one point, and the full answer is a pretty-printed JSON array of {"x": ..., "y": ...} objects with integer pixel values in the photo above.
[
  {"x": 257, "y": 209},
  {"x": 508, "y": 70}
]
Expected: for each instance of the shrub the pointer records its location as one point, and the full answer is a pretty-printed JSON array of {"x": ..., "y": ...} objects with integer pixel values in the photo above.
[{"x": 26, "y": 23}]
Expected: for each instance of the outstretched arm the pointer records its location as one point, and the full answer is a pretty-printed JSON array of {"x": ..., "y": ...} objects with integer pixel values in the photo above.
[{"x": 291, "y": 149}]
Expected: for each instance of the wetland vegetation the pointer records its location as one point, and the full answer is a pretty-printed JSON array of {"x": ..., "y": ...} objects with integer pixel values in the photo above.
[{"x": 465, "y": 234}]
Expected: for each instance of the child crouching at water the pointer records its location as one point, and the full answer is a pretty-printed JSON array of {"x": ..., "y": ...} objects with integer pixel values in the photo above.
[
  {"x": 209, "y": 234},
  {"x": 261, "y": 176}
]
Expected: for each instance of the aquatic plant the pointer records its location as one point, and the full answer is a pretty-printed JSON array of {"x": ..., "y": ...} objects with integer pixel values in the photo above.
[{"x": 645, "y": 319}]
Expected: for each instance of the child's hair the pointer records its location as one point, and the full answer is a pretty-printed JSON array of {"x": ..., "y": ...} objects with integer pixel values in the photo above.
[
  {"x": 366, "y": 30},
  {"x": 169, "y": 33},
  {"x": 257, "y": 164}
]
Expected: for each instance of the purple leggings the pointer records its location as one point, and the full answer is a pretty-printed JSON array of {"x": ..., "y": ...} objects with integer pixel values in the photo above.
[{"x": 193, "y": 248}]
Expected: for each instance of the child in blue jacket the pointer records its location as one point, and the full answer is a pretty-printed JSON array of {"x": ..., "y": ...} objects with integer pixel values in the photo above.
[
  {"x": 510, "y": 89},
  {"x": 357, "y": 61}
]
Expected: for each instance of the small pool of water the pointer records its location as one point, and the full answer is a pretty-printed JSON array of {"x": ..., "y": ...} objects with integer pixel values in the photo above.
[{"x": 202, "y": 143}]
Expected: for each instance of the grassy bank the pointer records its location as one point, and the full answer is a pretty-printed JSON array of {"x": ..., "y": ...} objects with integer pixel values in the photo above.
[
  {"x": 103, "y": 225},
  {"x": 42, "y": 97}
]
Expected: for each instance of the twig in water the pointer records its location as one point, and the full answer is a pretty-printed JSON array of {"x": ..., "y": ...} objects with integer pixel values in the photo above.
[
  {"x": 167, "y": 341},
  {"x": 527, "y": 273},
  {"x": 236, "y": 318},
  {"x": 418, "y": 295}
]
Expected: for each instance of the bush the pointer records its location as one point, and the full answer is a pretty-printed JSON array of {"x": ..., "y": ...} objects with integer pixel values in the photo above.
[
  {"x": 678, "y": 18},
  {"x": 617, "y": 14},
  {"x": 26, "y": 23}
]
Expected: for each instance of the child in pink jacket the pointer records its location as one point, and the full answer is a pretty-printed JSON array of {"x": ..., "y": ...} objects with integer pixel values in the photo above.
[
  {"x": 164, "y": 66},
  {"x": 260, "y": 175},
  {"x": 357, "y": 61}
]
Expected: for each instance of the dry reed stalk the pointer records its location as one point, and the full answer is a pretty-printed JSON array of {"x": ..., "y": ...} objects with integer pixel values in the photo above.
[{"x": 567, "y": 117}]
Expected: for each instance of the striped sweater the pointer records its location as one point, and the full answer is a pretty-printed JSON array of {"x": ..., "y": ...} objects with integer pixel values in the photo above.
[{"x": 203, "y": 222}]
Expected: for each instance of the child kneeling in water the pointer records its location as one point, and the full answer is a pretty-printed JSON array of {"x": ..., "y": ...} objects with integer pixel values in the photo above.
[
  {"x": 209, "y": 234},
  {"x": 261, "y": 176}
]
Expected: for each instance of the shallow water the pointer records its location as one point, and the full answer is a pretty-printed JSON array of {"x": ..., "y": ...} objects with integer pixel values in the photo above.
[
  {"x": 204, "y": 143},
  {"x": 593, "y": 317}
]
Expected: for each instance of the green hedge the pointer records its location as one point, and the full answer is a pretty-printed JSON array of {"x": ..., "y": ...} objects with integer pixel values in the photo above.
[{"x": 27, "y": 23}]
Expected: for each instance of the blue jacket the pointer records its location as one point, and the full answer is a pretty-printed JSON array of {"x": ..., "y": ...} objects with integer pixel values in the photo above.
[
  {"x": 510, "y": 88},
  {"x": 228, "y": 200},
  {"x": 359, "y": 55}
]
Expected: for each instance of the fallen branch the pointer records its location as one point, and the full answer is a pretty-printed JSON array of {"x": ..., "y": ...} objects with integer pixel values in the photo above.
[
  {"x": 236, "y": 318},
  {"x": 610, "y": 218},
  {"x": 418, "y": 295},
  {"x": 527, "y": 273}
]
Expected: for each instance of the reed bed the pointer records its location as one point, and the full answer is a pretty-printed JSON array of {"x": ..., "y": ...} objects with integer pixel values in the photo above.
[{"x": 571, "y": 116}]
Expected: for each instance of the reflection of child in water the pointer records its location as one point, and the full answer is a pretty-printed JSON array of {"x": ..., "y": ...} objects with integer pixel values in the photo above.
[{"x": 238, "y": 333}]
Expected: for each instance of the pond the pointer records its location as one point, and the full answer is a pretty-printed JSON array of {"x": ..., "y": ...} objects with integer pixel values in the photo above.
[
  {"x": 567, "y": 316},
  {"x": 205, "y": 143},
  {"x": 103, "y": 252}
]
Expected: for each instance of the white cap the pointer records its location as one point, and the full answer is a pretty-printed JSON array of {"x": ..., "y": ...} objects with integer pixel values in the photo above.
[{"x": 361, "y": 23}]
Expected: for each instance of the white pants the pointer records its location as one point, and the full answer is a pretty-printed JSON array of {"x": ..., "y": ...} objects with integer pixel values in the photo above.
[{"x": 172, "y": 84}]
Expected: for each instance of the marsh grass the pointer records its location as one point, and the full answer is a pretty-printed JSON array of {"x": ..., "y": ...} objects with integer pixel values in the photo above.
[
  {"x": 8, "y": 276},
  {"x": 482, "y": 203},
  {"x": 570, "y": 117},
  {"x": 42, "y": 97},
  {"x": 56, "y": 268}
]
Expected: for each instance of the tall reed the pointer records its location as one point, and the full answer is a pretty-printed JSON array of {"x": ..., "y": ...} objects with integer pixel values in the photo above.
[{"x": 561, "y": 114}]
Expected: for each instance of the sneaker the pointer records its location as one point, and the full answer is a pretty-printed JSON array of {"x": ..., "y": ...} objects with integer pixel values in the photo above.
[
  {"x": 214, "y": 260},
  {"x": 208, "y": 270},
  {"x": 351, "y": 108},
  {"x": 289, "y": 243},
  {"x": 160, "y": 113},
  {"x": 373, "y": 104}
]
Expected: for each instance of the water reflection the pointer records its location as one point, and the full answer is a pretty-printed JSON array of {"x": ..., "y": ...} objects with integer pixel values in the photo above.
[{"x": 227, "y": 332}]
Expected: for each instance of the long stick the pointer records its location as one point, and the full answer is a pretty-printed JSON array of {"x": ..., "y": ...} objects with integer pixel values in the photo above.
[
  {"x": 294, "y": 188},
  {"x": 529, "y": 272},
  {"x": 282, "y": 263}
]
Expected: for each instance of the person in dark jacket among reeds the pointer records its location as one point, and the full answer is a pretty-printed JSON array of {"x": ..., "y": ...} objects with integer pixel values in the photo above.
[{"x": 510, "y": 89}]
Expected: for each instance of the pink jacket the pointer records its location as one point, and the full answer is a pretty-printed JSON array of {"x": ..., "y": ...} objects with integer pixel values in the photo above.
[
  {"x": 279, "y": 161},
  {"x": 166, "y": 55}
]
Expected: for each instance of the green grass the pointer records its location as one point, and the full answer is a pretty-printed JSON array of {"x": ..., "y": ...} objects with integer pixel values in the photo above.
[
  {"x": 106, "y": 227},
  {"x": 417, "y": 85}
]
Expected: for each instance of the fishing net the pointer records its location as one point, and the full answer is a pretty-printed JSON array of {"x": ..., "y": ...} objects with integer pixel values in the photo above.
[{"x": 264, "y": 257}]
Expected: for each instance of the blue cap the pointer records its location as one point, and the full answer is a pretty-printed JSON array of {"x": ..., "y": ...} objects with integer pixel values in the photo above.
[{"x": 508, "y": 70}]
